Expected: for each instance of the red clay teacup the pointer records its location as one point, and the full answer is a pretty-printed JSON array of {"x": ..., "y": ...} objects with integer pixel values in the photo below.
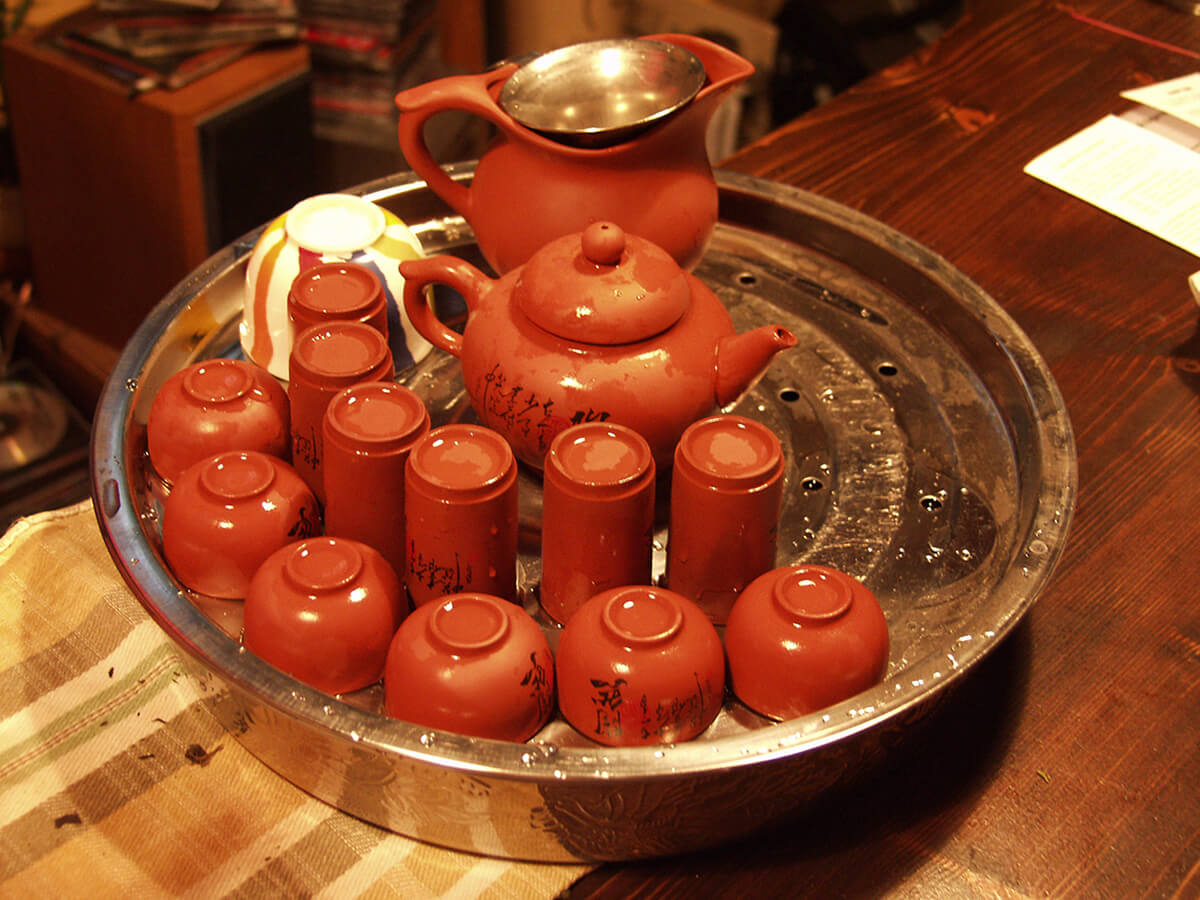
[
  {"x": 228, "y": 513},
  {"x": 213, "y": 406},
  {"x": 597, "y": 515},
  {"x": 640, "y": 665},
  {"x": 804, "y": 637},
  {"x": 460, "y": 512},
  {"x": 324, "y": 611},
  {"x": 473, "y": 664}
]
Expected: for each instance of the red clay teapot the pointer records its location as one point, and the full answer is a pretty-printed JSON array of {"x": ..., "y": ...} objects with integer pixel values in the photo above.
[
  {"x": 599, "y": 325},
  {"x": 528, "y": 189}
]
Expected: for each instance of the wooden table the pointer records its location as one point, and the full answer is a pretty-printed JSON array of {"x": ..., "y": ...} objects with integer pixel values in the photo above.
[{"x": 1068, "y": 764}]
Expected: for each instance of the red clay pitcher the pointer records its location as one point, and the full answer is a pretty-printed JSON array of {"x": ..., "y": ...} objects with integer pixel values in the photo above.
[{"x": 528, "y": 189}]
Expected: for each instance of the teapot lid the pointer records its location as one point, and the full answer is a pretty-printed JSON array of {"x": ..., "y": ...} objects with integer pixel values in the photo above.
[{"x": 602, "y": 286}]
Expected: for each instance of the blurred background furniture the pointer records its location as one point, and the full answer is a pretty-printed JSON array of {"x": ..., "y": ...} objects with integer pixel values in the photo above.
[
  {"x": 122, "y": 196},
  {"x": 112, "y": 193}
]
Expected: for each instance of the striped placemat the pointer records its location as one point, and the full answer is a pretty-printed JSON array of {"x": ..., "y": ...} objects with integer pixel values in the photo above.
[{"x": 116, "y": 781}]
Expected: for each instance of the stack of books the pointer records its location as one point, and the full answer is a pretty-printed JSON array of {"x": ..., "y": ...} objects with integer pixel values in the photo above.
[
  {"x": 146, "y": 45},
  {"x": 363, "y": 53}
]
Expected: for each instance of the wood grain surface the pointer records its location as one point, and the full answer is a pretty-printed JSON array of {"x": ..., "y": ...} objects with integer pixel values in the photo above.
[{"x": 1068, "y": 764}]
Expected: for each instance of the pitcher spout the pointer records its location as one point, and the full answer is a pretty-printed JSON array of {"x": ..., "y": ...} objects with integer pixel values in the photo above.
[
  {"x": 724, "y": 68},
  {"x": 743, "y": 358},
  {"x": 688, "y": 127}
]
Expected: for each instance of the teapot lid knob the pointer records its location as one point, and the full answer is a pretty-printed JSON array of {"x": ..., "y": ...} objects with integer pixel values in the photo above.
[{"x": 603, "y": 243}]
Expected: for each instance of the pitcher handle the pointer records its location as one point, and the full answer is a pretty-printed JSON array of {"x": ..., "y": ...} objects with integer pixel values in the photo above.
[
  {"x": 417, "y": 105},
  {"x": 456, "y": 273}
]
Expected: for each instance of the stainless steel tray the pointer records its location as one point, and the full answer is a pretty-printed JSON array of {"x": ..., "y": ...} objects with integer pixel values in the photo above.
[{"x": 929, "y": 454}]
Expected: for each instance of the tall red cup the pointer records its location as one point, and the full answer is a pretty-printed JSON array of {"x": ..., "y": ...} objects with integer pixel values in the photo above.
[
  {"x": 337, "y": 292},
  {"x": 368, "y": 431},
  {"x": 597, "y": 515},
  {"x": 326, "y": 359},
  {"x": 726, "y": 492},
  {"x": 460, "y": 509}
]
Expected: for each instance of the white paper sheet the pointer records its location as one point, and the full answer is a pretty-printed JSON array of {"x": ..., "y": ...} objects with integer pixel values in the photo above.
[
  {"x": 1133, "y": 172},
  {"x": 1179, "y": 97}
]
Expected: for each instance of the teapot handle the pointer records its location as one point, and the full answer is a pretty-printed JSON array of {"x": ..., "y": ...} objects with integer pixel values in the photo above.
[
  {"x": 456, "y": 273},
  {"x": 469, "y": 93}
]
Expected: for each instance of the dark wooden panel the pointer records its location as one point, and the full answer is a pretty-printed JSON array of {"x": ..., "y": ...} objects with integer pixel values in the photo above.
[{"x": 113, "y": 188}]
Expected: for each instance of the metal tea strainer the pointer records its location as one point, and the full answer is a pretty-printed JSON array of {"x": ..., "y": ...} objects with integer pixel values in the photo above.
[{"x": 601, "y": 93}]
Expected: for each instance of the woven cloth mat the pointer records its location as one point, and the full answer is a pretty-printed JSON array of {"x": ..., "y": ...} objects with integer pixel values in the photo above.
[{"x": 115, "y": 781}]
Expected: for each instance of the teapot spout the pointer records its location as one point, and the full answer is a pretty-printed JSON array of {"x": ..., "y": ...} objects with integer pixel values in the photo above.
[{"x": 743, "y": 358}]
